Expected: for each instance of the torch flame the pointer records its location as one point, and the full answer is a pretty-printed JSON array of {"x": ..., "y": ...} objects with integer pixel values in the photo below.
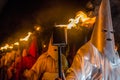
[
  {"x": 16, "y": 43},
  {"x": 1, "y": 48},
  {"x": 72, "y": 23},
  {"x": 81, "y": 16},
  {"x": 82, "y": 19},
  {"x": 11, "y": 47},
  {"x": 60, "y": 25},
  {"x": 27, "y": 37},
  {"x": 38, "y": 28},
  {"x": 44, "y": 45},
  {"x": 6, "y": 47}
]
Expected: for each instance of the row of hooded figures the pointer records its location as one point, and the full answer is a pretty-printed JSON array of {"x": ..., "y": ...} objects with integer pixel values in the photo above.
[{"x": 97, "y": 59}]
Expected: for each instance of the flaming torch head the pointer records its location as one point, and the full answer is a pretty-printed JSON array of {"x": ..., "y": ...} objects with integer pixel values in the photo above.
[{"x": 82, "y": 19}]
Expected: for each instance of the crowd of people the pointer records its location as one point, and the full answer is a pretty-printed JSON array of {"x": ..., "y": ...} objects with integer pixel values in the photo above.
[
  {"x": 97, "y": 59},
  {"x": 29, "y": 62}
]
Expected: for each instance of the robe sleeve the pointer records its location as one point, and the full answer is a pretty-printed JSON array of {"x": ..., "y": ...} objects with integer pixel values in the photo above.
[
  {"x": 37, "y": 70},
  {"x": 75, "y": 71}
]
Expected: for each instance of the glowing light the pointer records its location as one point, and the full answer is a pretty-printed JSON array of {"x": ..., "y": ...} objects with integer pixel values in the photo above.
[
  {"x": 27, "y": 37},
  {"x": 44, "y": 45},
  {"x": 38, "y": 28},
  {"x": 16, "y": 43},
  {"x": 81, "y": 18},
  {"x": 6, "y": 47},
  {"x": 1, "y": 48},
  {"x": 60, "y": 25},
  {"x": 11, "y": 47},
  {"x": 71, "y": 24}
]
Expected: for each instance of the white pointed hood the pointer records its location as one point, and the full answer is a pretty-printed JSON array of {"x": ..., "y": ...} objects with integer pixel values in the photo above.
[{"x": 102, "y": 36}]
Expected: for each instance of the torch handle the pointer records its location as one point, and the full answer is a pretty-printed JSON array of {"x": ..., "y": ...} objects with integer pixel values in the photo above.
[{"x": 59, "y": 62}]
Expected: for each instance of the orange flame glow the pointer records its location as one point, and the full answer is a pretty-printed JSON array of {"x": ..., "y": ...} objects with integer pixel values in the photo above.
[
  {"x": 44, "y": 45},
  {"x": 27, "y": 37},
  {"x": 16, "y": 43},
  {"x": 60, "y": 25},
  {"x": 37, "y": 28},
  {"x": 11, "y": 47},
  {"x": 6, "y": 47},
  {"x": 81, "y": 18}
]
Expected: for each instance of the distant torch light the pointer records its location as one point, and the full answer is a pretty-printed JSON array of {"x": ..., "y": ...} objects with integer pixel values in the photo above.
[
  {"x": 26, "y": 38},
  {"x": 38, "y": 28},
  {"x": 1, "y": 48},
  {"x": 11, "y": 47},
  {"x": 16, "y": 43},
  {"x": 44, "y": 46},
  {"x": 4, "y": 47}
]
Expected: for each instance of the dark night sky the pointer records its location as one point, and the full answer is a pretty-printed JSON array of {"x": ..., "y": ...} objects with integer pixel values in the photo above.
[{"x": 19, "y": 16}]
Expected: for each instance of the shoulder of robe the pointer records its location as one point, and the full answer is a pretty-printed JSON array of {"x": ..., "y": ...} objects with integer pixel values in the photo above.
[
  {"x": 43, "y": 56},
  {"x": 84, "y": 50}
]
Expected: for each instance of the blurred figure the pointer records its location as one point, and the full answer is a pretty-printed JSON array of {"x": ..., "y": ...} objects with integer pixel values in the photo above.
[
  {"x": 7, "y": 60},
  {"x": 30, "y": 54},
  {"x": 3, "y": 68},
  {"x": 12, "y": 69},
  {"x": 46, "y": 67}
]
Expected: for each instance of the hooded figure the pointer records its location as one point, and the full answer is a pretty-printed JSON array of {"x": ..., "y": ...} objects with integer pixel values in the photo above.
[
  {"x": 27, "y": 61},
  {"x": 12, "y": 69},
  {"x": 46, "y": 67},
  {"x": 96, "y": 60}
]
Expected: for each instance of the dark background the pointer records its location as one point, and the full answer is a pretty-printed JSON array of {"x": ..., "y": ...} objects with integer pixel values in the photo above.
[{"x": 17, "y": 17}]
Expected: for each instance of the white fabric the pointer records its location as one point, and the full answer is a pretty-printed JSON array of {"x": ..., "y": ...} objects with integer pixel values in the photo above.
[
  {"x": 103, "y": 35},
  {"x": 89, "y": 64}
]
